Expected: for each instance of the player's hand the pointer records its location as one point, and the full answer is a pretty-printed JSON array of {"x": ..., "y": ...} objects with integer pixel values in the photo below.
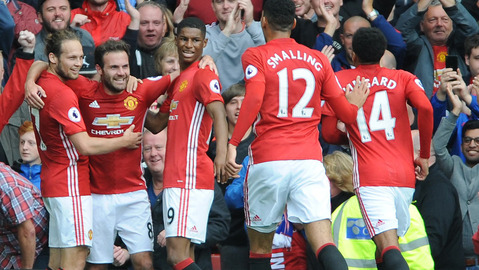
[
  {"x": 455, "y": 100},
  {"x": 328, "y": 50},
  {"x": 34, "y": 94},
  {"x": 232, "y": 168},
  {"x": 359, "y": 93},
  {"x": 207, "y": 61},
  {"x": 161, "y": 239},
  {"x": 79, "y": 20},
  {"x": 120, "y": 256},
  {"x": 132, "y": 84},
  {"x": 132, "y": 139},
  {"x": 220, "y": 169},
  {"x": 422, "y": 168},
  {"x": 26, "y": 39}
]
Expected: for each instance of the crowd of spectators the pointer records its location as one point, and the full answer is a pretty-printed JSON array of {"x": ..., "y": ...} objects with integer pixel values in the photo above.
[{"x": 423, "y": 38}]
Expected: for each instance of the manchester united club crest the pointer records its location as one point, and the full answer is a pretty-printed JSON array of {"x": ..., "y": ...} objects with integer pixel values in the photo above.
[
  {"x": 90, "y": 234},
  {"x": 130, "y": 103},
  {"x": 183, "y": 85}
]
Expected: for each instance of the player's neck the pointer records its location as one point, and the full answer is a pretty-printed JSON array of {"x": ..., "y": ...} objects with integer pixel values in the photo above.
[{"x": 272, "y": 35}]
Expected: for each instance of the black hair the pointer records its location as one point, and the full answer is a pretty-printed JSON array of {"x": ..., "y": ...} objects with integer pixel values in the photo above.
[
  {"x": 471, "y": 124},
  {"x": 369, "y": 45},
  {"x": 54, "y": 41},
  {"x": 192, "y": 22},
  {"x": 471, "y": 43},
  {"x": 110, "y": 46},
  {"x": 280, "y": 14}
]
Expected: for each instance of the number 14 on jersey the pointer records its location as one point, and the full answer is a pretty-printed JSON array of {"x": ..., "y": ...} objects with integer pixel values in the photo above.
[{"x": 380, "y": 118}]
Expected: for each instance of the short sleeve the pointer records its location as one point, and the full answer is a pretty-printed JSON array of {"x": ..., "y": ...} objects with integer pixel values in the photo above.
[
  {"x": 207, "y": 87},
  {"x": 65, "y": 111}
]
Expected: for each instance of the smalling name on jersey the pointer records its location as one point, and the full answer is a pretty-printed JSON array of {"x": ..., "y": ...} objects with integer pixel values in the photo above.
[{"x": 274, "y": 60}]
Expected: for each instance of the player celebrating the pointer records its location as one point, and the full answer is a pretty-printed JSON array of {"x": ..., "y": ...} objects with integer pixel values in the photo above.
[
  {"x": 194, "y": 102},
  {"x": 285, "y": 83},
  {"x": 63, "y": 141},
  {"x": 381, "y": 138}
]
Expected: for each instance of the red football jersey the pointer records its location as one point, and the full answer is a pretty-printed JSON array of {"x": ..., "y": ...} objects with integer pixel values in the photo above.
[
  {"x": 285, "y": 82},
  {"x": 189, "y": 129},
  {"x": 64, "y": 171},
  {"x": 380, "y": 138},
  {"x": 108, "y": 116}
]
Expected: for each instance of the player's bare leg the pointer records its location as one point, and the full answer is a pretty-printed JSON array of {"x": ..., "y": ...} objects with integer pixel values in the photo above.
[
  {"x": 260, "y": 249},
  {"x": 55, "y": 258},
  {"x": 178, "y": 250},
  {"x": 388, "y": 254},
  {"x": 142, "y": 260},
  {"x": 318, "y": 234},
  {"x": 74, "y": 258}
]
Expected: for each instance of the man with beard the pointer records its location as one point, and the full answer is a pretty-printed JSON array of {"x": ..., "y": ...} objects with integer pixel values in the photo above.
[
  {"x": 119, "y": 194},
  {"x": 54, "y": 15},
  {"x": 63, "y": 141}
]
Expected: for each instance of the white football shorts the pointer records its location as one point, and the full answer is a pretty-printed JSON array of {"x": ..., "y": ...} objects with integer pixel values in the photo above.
[
  {"x": 186, "y": 211},
  {"x": 129, "y": 216},
  {"x": 302, "y": 185},
  {"x": 385, "y": 208},
  {"x": 70, "y": 222}
]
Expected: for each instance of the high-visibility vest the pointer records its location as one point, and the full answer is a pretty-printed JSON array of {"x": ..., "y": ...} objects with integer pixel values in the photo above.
[{"x": 353, "y": 241}]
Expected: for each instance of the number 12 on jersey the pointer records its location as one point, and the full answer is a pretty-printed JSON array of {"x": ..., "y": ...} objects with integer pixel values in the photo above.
[{"x": 380, "y": 118}]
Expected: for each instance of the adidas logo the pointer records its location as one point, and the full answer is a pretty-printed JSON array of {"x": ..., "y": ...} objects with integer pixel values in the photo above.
[
  {"x": 193, "y": 229},
  {"x": 94, "y": 104},
  {"x": 256, "y": 218},
  {"x": 380, "y": 223}
]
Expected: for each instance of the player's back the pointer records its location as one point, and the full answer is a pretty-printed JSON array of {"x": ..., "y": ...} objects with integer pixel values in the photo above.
[
  {"x": 381, "y": 136},
  {"x": 295, "y": 79}
]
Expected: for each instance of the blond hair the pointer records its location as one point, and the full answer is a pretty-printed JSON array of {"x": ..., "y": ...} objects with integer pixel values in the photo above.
[{"x": 339, "y": 169}]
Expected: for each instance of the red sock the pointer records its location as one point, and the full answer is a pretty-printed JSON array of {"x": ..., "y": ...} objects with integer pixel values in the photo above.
[{"x": 183, "y": 264}]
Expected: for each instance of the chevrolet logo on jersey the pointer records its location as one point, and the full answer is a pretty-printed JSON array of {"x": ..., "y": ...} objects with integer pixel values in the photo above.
[
  {"x": 356, "y": 229},
  {"x": 113, "y": 121}
]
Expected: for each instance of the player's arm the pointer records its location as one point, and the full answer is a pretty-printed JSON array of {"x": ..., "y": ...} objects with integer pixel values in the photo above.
[
  {"x": 156, "y": 122},
  {"x": 216, "y": 110},
  {"x": 33, "y": 92},
  {"x": 331, "y": 134},
  {"x": 27, "y": 241},
  {"x": 13, "y": 95},
  {"x": 425, "y": 115},
  {"x": 248, "y": 112},
  {"x": 87, "y": 145}
]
